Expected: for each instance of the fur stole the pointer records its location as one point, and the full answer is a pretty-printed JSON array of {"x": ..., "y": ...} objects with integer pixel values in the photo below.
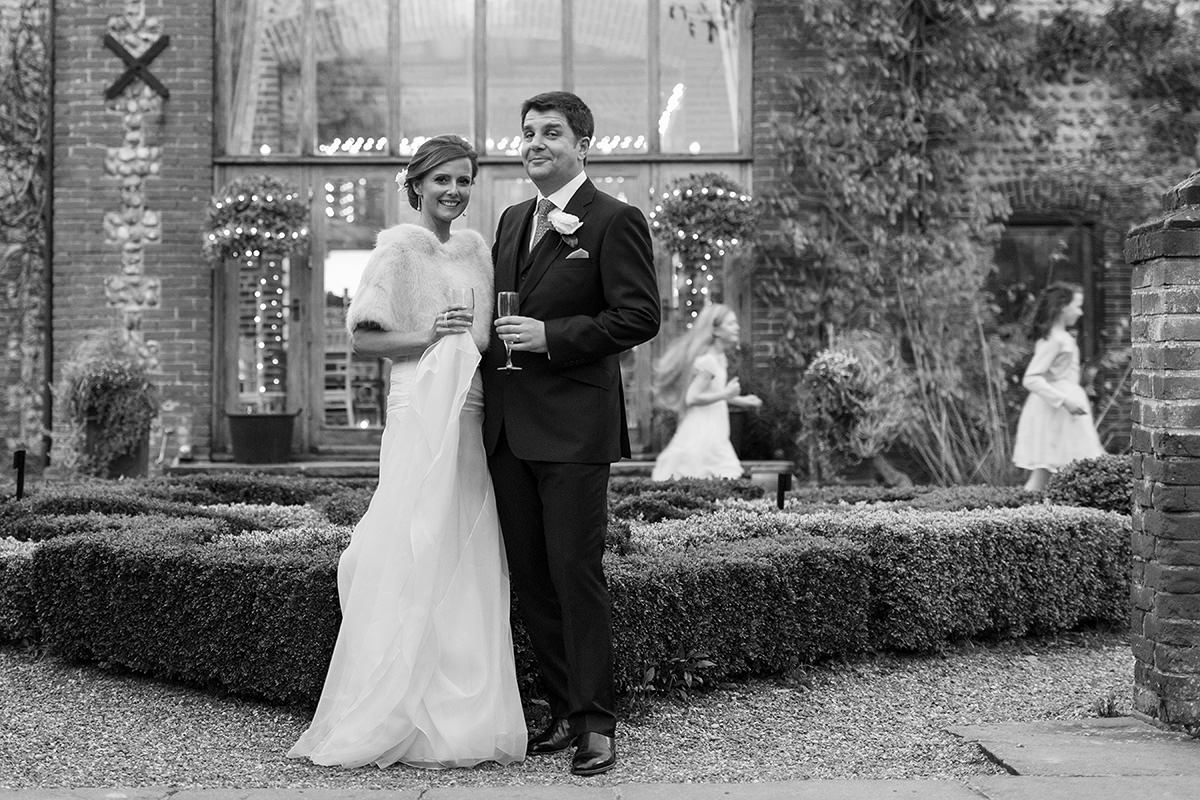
[{"x": 409, "y": 275}]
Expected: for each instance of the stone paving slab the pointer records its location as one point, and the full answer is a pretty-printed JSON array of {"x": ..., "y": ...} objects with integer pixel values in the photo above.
[
  {"x": 523, "y": 792},
  {"x": 801, "y": 790},
  {"x": 1149, "y": 787},
  {"x": 1089, "y": 747}
]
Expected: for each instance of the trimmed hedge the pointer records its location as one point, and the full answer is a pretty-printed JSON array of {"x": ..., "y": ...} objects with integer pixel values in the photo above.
[
  {"x": 707, "y": 488},
  {"x": 933, "y": 498},
  {"x": 75, "y": 508},
  {"x": 755, "y": 590},
  {"x": 260, "y": 624},
  {"x": 1105, "y": 482},
  {"x": 18, "y": 621},
  {"x": 938, "y": 576}
]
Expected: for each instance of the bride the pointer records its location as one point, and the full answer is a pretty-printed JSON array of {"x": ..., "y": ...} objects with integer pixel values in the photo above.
[{"x": 422, "y": 672}]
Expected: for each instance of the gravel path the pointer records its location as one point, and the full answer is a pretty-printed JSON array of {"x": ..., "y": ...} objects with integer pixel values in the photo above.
[{"x": 879, "y": 717}]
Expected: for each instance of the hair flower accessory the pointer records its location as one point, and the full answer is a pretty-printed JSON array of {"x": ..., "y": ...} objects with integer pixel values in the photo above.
[
  {"x": 401, "y": 179},
  {"x": 566, "y": 225}
]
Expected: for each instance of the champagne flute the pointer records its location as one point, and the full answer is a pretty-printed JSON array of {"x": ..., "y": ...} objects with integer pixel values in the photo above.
[
  {"x": 507, "y": 305},
  {"x": 463, "y": 298}
]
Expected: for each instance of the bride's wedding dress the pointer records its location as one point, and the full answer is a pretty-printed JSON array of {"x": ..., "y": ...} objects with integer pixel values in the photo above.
[{"x": 422, "y": 672}]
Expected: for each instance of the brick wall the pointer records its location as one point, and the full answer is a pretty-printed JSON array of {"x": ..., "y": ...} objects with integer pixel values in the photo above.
[
  {"x": 1165, "y": 615},
  {"x": 177, "y": 329}
]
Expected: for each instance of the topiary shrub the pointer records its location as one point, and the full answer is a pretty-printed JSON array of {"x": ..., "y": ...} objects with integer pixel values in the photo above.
[
  {"x": 61, "y": 510},
  {"x": 655, "y": 506},
  {"x": 707, "y": 488},
  {"x": 345, "y": 507},
  {"x": 1105, "y": 482}
]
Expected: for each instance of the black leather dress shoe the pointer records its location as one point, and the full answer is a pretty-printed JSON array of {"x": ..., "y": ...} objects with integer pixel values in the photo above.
[
  {"x": 594, "y": 753},
  {"x": 556, "y": 738}
]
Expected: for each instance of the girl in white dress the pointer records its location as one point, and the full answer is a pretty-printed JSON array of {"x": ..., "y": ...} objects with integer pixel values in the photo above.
[
  {"x": 691, "y": 378},
  {"x": 1055, "y": 426},
  {"x": 422, "y": 671}
]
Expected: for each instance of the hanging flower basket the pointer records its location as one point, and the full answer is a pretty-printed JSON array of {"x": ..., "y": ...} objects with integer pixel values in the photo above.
[
  {"x": 699, "y": 219},
  {"x": 254, "y": 216}
]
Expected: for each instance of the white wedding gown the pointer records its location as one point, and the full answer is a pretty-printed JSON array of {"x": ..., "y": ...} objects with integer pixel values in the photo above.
[{"x": 422, "y": 672}]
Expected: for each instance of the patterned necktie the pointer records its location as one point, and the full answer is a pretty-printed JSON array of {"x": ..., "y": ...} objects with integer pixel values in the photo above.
[{"x": 542, "y": 221}]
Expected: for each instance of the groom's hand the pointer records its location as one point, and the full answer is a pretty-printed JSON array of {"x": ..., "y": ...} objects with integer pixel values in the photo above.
[{"x": 525, "y": 333}]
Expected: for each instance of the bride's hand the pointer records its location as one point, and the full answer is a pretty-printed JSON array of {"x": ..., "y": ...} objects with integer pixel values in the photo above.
[{"x": 454, "y": 319}]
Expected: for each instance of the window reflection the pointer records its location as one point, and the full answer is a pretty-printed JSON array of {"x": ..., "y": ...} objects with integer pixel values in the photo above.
[
  {"x": 437, "y": 54},
  {"x": 700, "y": 77},
  {"x": 612, "y": 72},
  {"x": 353, "y": 387},
  {"x": 524, "y": 52},
  {"x": 262, "y": 47},
  {"x": 352, "y": 77}
]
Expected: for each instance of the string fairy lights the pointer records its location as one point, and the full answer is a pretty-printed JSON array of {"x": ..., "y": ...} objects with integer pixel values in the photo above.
[
  {"x": 700, "y": 218},
  {"x": 259, "y": 221}
]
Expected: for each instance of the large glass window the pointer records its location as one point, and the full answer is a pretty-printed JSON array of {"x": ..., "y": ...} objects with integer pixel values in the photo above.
[
  {"x": 700, "y": 78},
  {"x": 437, "y": 64},
  {"x": 611, "y": 64},
  {"x": 376, "y": 77},
  {"x": 524, "y": 57},
  {"x": 261, "y": 51},
  {"x": 351, "y": 38}
]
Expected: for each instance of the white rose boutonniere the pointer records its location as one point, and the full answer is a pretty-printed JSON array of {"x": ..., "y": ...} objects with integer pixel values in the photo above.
[{"x": 566, "y": 225}]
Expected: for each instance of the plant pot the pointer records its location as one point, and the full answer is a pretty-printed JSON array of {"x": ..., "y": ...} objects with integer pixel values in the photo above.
[
  {"x": 261, "y": 438},
  {"x": 133, "y": 464}
]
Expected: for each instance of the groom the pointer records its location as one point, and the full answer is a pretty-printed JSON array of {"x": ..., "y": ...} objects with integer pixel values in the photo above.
[{"x": 582, "y": 263}]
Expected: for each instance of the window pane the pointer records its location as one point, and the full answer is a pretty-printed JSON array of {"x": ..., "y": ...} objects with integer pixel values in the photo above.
[
  {"x": 352, "y": 69},
  {"x": 524, "y": 51},
  {"x": 354, "y": 212},
  {"x": 263, "y": 55},
  {"x": 611, "y": 72},
  {"x": 700, "y": 59},
  {"x": 437, "y": 48},
  {"x": 264, "y": 297}
]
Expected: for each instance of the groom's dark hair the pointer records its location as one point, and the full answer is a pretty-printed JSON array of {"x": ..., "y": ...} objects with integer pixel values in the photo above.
[{"x": 578, "y": 115}]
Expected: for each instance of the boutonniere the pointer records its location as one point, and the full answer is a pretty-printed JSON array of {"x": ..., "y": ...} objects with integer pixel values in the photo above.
[{"x": 566, "y": 225}]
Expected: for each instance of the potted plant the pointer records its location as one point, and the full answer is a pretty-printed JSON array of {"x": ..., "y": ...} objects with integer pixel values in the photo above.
[
  {"x": 110, "y": 404},
  {"x": 258, "y": 222}
]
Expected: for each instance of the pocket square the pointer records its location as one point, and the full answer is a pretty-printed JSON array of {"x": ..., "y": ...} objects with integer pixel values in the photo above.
[{"x": 580, "y": 253}]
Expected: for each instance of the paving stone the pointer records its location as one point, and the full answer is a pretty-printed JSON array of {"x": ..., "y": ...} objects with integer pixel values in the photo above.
[
  {"x": 1016, "y": 787},
  {"x": 1118, "y": 746},
  {"x": 802, "y": 790}
]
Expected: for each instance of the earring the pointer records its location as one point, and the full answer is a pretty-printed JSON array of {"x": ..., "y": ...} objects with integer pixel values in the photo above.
[{"x": 419, "y": 198}]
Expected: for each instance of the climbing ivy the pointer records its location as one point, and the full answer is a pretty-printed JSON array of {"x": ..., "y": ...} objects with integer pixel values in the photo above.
[
  {"x": 884, "y": 226},
  {"x": 23, "y": 119}
]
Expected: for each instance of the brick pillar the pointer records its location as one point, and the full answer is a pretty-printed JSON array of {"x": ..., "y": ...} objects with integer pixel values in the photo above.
[{"x": 1165, "y": 615}]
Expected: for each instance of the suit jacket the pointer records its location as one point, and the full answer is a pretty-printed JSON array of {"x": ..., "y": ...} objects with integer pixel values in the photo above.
[{"x": 569, "y": 405}]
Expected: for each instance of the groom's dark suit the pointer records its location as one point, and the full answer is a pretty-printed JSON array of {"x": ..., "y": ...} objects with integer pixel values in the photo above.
[{"x": 552, "y": 429}]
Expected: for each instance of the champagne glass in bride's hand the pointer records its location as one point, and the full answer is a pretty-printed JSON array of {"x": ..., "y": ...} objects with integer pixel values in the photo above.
[
  {"x": 507, "y": 305},
  {"x": 463, "y": 300}
]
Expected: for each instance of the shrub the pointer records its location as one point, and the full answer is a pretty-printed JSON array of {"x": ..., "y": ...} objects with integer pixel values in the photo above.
[
  {"x": 707, "y": 488},
  {"x": 18, "y": 622},
  {"x": 345, "y": 507},
  {"x": 109, "y": 402},
  {"x": 755, "y": 590},
  {"x": 930, "y": 498},
  {"x": 655, "y": 506},
  {"x": 253, "y": 487},
  {"x": 1105, "y": 482},
  {"x": 940, "y": 576},
  {"x": 57, "y": 510},
  {"x": 259, "y": 623}
]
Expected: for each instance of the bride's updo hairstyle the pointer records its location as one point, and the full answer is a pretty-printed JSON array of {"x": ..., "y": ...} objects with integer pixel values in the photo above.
[{"x": 432, "y": 154}]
